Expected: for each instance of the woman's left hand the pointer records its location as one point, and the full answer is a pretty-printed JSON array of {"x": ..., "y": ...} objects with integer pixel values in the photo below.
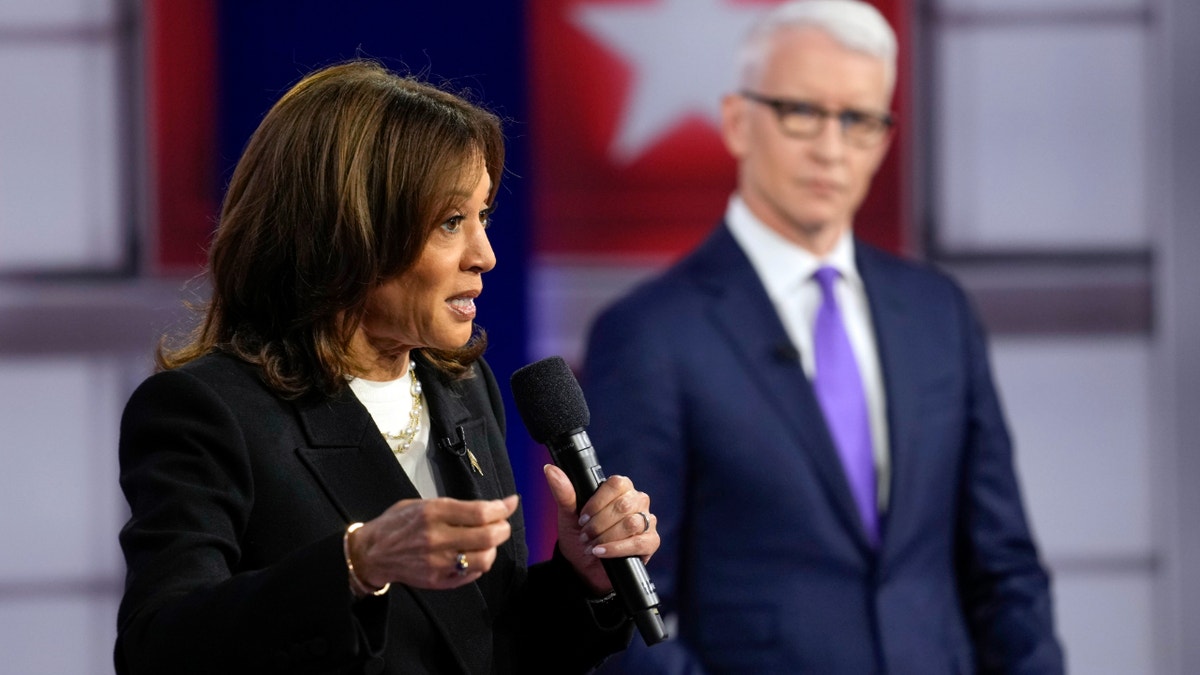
[{"x": 615, "y": 523}]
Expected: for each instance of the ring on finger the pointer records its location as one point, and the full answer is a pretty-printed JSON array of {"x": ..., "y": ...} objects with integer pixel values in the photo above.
[
  {"x": 645, "y": 521},
  {"x": 461, "y": 564}
]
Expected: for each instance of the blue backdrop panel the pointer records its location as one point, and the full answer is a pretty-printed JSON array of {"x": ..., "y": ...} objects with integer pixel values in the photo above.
[{"x": 265, "y": 46}]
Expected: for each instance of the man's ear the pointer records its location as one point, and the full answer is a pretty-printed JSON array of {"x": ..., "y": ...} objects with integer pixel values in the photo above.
[{"x": 734, "y": 124}]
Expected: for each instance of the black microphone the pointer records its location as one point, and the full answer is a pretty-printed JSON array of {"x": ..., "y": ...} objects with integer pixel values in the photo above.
[{"x": 552, "y": 406}]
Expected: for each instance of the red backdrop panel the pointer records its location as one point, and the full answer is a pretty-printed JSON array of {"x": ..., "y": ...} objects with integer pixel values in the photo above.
[
  {"x": 181, "y": 69},
  {"x": 664, "y": 201}
]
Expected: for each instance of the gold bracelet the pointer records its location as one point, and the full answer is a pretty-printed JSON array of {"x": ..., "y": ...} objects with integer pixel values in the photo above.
[{"x": 355, "y": 582}]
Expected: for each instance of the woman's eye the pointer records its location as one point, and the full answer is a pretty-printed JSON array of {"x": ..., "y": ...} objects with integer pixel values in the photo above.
[
  {"x": 453, "y": 225},
  {"x": 485, "y": 218}
]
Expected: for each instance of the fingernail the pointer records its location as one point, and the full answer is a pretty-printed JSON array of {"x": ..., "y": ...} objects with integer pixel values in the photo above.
[
  {"x": 587, "y": 550},
  {"x": 583, "y": 520},
  {"x": 583, "y": 536},
  {"x": 598, "y": 550}
]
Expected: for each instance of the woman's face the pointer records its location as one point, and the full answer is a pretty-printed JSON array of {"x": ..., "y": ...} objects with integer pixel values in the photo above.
[{"x": 433, "y": 303}]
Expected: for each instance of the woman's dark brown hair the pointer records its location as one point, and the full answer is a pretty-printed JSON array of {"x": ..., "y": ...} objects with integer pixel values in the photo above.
[{"x": 337, "y": 191}]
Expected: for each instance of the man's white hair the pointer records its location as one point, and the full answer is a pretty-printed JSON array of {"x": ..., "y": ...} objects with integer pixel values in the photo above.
[{"x": 854, "y": 24}]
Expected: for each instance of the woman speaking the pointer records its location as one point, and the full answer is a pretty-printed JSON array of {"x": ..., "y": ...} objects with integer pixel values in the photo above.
[{"x": 317, "y": 475}]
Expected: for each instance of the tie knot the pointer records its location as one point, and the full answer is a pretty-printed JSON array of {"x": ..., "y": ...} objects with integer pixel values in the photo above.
[{"x": 826, "y": 276}]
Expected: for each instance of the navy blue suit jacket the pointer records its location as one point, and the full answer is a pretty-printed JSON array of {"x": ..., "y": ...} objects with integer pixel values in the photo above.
[{"x": 696, "y": 393}]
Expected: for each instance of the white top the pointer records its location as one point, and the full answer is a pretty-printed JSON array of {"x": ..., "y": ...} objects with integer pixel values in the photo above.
[
  {"x": 786, "y": 271},
  {"x": 389, "y": 404}
]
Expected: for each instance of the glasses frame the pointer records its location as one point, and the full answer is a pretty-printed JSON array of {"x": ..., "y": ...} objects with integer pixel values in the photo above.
[{"x": 847, "y": 118}]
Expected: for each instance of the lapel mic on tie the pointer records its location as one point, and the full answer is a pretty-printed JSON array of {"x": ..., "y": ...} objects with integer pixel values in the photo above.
[{"x": 554, "y": 411}]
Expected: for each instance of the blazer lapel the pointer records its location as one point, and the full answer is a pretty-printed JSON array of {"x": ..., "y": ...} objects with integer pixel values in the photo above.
[
  {"x": 896, "y": 329},
  {"x": 744, "y": 313},
  {"x": 459, "y": 448},
  {"x": 352, "y": 461},
  {"x": 458, "y": 442},
  {"x": 349, "y": 457}
]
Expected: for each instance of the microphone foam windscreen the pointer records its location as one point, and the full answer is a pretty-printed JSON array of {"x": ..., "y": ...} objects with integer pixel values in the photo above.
[{"x": 549, "y": 399}]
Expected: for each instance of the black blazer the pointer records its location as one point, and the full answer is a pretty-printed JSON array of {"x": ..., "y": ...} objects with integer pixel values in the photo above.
[{"x": 239, "y": 500}]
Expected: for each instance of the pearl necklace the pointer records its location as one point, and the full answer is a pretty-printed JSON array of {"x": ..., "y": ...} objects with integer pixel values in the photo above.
[{"x": 408, "y": 434}]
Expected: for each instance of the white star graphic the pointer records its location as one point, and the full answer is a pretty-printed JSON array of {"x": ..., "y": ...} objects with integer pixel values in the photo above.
[{"x": 682, "y": 54}]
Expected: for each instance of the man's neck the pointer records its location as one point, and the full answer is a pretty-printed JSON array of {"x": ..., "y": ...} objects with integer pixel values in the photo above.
[{"x": 818, "y": 239}]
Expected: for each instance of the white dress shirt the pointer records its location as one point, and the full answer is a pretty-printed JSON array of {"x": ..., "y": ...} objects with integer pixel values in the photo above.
[{"x": 786, "y": 271}]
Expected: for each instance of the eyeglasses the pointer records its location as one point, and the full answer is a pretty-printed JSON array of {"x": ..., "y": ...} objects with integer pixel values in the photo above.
[{"x": 801, "y": 119}]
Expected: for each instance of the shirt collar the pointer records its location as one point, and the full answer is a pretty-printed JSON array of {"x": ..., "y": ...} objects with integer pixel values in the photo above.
[{"x": 783, "y": 265}]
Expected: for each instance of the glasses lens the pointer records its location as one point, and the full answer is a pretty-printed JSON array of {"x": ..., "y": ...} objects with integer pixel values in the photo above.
[
  {"x": 801, "y": 119},
  {"x": 863, "y": 129},
  {"x": 806, "y": 120}
]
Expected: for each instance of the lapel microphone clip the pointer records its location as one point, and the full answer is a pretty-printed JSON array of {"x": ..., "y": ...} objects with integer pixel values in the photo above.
[{"x": 458, "y": 448}]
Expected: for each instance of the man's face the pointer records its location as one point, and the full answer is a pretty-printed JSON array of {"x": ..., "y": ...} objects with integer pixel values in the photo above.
[{"x": 806, "y": 189}]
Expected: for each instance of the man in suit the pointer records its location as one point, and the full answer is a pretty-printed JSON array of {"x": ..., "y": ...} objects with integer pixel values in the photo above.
[{"x": 815, "y": 418}]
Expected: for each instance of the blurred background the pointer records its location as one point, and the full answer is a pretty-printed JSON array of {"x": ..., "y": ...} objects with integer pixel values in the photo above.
[{"x": 1048, "y": 157}]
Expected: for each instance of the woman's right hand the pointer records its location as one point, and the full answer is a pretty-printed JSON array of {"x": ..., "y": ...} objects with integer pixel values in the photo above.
[{"x": 417, "y": 542}]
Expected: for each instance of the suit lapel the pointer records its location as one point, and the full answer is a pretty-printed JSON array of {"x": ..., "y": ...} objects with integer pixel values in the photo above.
[
  {"x": 745, "y": 316},
  {"x": 349, "y": 457},
  {"x": 361, "y": 476},
  {"x": 458, "y": 442},
  {"x": 896, "y": 329}
]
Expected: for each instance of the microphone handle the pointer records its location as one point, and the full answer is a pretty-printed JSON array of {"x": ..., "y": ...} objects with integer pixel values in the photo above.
[{"x": 574, "y": 454}]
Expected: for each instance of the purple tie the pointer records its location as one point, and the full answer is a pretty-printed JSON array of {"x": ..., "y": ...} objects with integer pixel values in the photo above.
[{"x": 840, "y": 390}]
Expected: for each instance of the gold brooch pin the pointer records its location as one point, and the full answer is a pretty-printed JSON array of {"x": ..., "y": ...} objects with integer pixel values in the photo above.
[{"x": 474, "y": 462}]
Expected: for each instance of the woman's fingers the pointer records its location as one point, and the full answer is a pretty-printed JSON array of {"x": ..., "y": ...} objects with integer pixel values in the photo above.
[
  {"x": 617, "y": 522},
  {"x": 614, "y": 511},
  {"x": 560, "y": 487},
  {"x": 471, "y": 513},
  {"x": 436, "y": 543}
]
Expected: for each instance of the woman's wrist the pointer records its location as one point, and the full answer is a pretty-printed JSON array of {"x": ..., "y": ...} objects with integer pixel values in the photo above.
[
  {"x": 359, "y": 587},
  {"x": 607, "y": 611}
]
